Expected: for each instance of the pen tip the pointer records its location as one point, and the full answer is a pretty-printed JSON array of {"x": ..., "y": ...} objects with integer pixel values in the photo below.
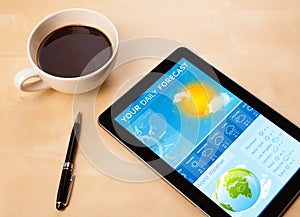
[
  {"x": 59, "y": 206},
  {"x": 78, "y": 118}
]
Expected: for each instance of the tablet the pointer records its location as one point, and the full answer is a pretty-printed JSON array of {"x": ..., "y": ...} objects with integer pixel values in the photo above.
[{"x": 215, "y": 143}]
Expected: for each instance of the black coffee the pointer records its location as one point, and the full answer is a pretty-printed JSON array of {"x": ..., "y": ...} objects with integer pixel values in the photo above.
[{"x": 72, "y": 51}]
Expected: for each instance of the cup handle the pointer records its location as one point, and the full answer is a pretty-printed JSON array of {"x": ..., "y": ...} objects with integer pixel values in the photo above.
[{"x": 24, "y": 75}]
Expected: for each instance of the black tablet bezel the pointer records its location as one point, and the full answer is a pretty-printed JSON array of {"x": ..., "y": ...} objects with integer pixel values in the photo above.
[{"x": 107, "y": 120}]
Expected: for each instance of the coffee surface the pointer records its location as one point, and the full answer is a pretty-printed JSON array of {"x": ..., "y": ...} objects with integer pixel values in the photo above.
[{"x": 73, "y": 51}]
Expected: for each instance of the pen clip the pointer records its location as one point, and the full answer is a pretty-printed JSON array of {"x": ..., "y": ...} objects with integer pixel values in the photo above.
[{"x": 72, "y": 179}]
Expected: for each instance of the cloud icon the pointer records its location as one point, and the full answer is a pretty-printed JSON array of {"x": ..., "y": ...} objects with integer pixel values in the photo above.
[{"x": 201, "y": 100}]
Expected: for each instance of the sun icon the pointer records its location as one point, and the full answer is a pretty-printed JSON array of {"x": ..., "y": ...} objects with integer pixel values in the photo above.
[{"x": 195, "y": 99}]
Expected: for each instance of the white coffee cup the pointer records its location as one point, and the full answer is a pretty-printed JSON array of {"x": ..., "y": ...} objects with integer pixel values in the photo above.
[{"x": 73, "y": 16}]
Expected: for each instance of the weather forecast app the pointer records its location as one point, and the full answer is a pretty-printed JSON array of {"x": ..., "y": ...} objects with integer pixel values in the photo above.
[{"x": 217, "y": 142}]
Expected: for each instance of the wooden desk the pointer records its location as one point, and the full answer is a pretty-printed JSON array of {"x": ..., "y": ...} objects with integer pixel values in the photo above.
[{"x": 256, "y": 43}]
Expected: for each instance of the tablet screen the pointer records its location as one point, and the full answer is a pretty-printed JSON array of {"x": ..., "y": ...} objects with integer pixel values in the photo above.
[{"x": 220, "y": 144}]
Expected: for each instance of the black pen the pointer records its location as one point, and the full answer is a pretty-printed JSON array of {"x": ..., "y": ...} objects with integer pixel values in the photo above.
[{"x": 67, "y": 179}]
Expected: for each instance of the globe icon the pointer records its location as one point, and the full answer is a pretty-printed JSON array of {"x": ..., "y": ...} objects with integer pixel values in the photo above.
[{"x": 237, "y": 189}]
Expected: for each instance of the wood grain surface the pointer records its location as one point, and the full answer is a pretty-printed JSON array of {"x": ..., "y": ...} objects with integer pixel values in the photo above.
[{"x": 256, "y": 43}]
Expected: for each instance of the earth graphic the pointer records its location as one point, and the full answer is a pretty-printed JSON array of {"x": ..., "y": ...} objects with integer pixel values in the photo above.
[{"x": 237, "y": 189}]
